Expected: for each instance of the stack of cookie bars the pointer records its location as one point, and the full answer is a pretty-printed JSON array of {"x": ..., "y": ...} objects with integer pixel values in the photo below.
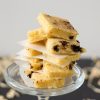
[{"x": 53, "y": 52}]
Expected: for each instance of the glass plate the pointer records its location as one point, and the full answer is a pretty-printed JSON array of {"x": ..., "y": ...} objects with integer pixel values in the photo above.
[{"x": 14, "y": 80}]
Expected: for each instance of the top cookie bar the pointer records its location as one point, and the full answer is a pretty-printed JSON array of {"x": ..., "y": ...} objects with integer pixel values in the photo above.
[{"x": 57, "y": 27}]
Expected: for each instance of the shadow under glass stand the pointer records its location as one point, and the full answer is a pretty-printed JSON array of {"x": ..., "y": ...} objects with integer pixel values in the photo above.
[{"x": 14, "y": 80}]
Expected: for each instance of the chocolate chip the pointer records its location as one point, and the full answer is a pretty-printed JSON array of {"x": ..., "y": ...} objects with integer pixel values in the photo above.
[
  {"x": 29, "y": 75},
  {"x": 64, "y": 43},
  {"x": 65, "y": 23},
  {"x": 71, "y": 65},
  {"x": 56, "y": 47},
  {"x": 41, "y": 66},
  {"x": 76, "y": 48},
  {"x": 81, "y": 50},
  {"x": 77, "y": 41},
  {"x": 68, "y": 22},
  {"x": 71, "y": 37},
  {"x": 73, "y": 62}
]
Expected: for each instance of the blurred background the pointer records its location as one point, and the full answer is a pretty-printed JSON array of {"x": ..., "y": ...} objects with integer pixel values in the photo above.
[{"x": 19, "y": 16}]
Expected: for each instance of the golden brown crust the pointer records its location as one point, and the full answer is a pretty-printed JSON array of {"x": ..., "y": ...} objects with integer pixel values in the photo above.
[
  {"x": 54, "y": 71},
  {"x": 53, "y": 83},
  {"x": 56, "y": 27},
  {"x": 41, "y": 80}
]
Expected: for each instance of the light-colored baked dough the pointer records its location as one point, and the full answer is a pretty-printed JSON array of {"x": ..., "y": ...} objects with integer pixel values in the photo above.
[
  {"x": 36, "y": 64},
  {"x": 57, "y": 27},
  {"x": 43, "y": 81},
  {"x": 54, "y": 71},
  {"x": 61, "y": 46},
  {"x": 36, "y": 35},
  {"x": 58, "y": 51}
]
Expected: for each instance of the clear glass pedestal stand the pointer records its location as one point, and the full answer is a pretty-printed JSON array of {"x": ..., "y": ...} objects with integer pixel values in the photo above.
[{"x": 14, "y": 80}]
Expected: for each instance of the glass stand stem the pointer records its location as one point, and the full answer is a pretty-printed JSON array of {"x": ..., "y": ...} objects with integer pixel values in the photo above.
[{"x": 43, "y": 98}]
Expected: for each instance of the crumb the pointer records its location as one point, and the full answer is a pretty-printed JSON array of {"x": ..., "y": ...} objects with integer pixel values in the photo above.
[
  {"x": 3, "y": 85},
  {"x": 12, "y": 93},
  {"x": 2, "y": 97}
]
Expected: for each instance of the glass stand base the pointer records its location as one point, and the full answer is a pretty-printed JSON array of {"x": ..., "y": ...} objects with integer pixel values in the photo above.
[
  {"x": 43, "y": 98},
  {"x": 14, "y": 80}
]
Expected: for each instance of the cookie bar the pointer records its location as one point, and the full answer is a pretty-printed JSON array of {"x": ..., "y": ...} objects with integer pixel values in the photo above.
[
  {"x": 54, "y": 71},
  {"x": 71, "y": 65},
  {"x": 42, "y": 81},
  {"x": 57, "y": 27},
  {"x": 29, "y": 72},
  {"x": 52, "y": 83},
  {"x": 36, "y": 64},
  {"x": 36, "y": 35},
  {"x": 61, "y": 46}
]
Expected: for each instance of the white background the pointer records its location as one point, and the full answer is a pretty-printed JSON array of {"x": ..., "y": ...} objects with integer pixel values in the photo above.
[{"x": 19, "y": 16}]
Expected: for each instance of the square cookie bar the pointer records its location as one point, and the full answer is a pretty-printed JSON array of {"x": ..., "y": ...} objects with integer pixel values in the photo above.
[
  {"x": 42, "y": 81},
  {"x": 63, "y": 47},
  {"x": 54, "y": 71},
  {"x": 57, "y": 27}
]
